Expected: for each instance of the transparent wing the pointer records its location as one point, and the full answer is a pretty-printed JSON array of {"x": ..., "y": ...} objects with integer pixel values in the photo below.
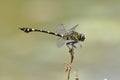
[
  {"x": 73, "y": 28},
  {"x": 60, "y": 42},
  {"x": 78, "y": 46},
  {"x": 61, "y": 29}
]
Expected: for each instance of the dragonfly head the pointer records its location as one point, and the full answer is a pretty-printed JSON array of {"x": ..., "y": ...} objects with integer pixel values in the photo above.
[{"x": 81, "y": 37}]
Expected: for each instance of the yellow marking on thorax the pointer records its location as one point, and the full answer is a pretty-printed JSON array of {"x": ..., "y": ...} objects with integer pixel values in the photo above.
[{"x": 78, "y": 36}]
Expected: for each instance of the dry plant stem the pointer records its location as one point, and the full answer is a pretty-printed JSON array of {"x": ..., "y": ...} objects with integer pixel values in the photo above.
[{"x": 68, "y": 69}]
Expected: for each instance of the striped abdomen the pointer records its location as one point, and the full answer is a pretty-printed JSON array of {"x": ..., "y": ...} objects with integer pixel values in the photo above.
[{"x": 27, "y": 30}]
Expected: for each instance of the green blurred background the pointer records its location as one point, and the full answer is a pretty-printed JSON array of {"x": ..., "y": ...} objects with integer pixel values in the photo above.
[{"x": 35, "y": 56}]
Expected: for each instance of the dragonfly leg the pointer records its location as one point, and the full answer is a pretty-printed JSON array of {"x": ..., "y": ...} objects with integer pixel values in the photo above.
[{"x": 71, "y": 44}]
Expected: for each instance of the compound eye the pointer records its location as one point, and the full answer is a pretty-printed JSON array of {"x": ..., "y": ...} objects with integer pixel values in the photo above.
[{"x": 82, "y": 37}]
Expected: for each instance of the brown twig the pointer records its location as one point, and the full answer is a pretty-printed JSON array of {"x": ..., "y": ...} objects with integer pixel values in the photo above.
[{"x": 68, "y": 68}]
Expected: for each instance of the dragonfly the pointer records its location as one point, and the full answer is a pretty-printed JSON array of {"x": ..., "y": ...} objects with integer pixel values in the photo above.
[{"x": 70, "y": 37}]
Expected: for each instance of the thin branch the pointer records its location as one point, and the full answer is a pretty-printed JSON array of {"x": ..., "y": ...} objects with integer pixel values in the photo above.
[{"x": 68, "y": 68}]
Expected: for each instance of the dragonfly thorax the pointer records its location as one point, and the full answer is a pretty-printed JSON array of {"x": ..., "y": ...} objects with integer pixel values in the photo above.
[{"x": 74, "y": 36}]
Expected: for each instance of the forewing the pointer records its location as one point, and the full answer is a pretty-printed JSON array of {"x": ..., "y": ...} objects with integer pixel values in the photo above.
[
  {"x": 73, "y": 28},
  {"x": 60, "y": 42},
  {"x": 61, "y": 29}
]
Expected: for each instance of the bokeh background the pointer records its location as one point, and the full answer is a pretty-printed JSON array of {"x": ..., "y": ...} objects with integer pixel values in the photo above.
[{"x": 35, "y": 56}]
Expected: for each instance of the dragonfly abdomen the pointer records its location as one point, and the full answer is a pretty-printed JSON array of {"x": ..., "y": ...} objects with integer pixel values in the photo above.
[
  {"x": 27, "y": 30},
  {"x": 52, "y": 33}
]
